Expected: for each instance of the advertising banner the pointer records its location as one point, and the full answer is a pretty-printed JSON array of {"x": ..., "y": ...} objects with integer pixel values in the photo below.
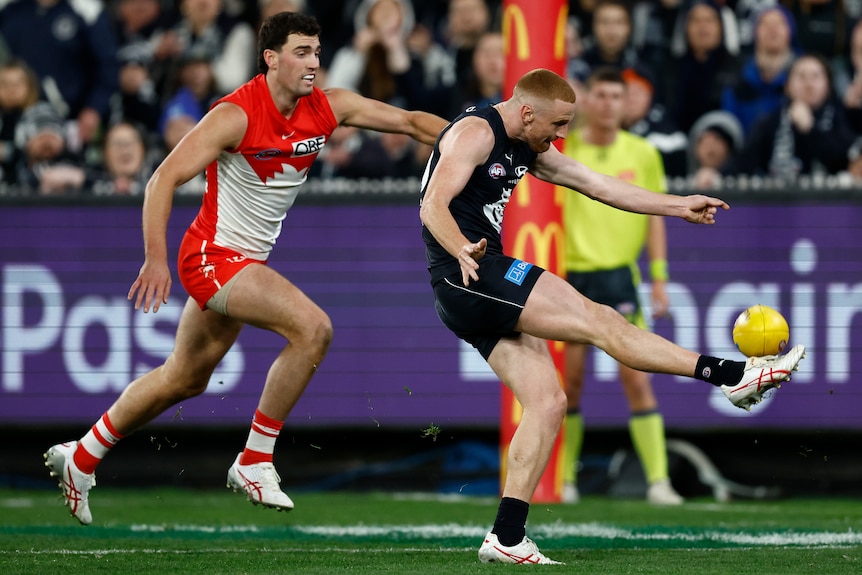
[{"x": 70, "y": 341}]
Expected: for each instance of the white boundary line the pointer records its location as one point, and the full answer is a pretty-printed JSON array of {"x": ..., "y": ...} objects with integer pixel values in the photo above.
[{"x": 546, "y": 531}]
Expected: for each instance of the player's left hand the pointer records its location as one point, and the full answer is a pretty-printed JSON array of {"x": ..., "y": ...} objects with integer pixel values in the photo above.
[
  {"x": 468, "y": 257},
  {"x": 702, "y": 209}
]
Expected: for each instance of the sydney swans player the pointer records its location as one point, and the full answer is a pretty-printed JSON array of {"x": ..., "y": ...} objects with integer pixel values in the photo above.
[{"x": 256, "y": 145}]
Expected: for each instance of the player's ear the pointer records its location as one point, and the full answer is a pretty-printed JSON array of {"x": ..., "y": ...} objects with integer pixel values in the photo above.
[{"x": 271, "y": 59}]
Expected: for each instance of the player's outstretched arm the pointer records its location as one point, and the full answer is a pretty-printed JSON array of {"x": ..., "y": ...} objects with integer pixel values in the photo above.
[
  {"x": 351, "y": 109},
  {"x": 557, "y": 168},
  {"x": 221, "y": 128},
  {"x": 466, "y": 145}
]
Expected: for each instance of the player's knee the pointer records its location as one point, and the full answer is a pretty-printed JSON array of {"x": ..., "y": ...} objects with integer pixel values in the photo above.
[
  {"x": 316, "y": 334},
  {"x": 554, "y": 407},
  {"x": 189, "y": 378}
]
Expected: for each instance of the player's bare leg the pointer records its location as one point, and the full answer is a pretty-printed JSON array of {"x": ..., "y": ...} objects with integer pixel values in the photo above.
[
  {"x": 525, "y": 366},
  {"x": 556, "y": 311},
  {"x": 203, "y": 338},
  {"x": 263, "y": 298}
]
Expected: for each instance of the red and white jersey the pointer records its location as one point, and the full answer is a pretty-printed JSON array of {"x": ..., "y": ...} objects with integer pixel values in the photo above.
[{"x": 250, "y": 188}]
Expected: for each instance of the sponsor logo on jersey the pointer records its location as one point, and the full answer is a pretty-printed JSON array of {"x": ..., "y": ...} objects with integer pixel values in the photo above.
[
  {"x": 267, "y": 154},
  {"x": 518, "y": 271},
  {"x": 497, "y": 171},
  {"x": 308, "y": 147},
  {"x": 520, "y": 171}
]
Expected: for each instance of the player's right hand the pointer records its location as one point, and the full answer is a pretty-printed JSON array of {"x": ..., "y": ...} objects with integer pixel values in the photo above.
[
  {"x": 468, "y": 257},
  {"x": 152, "y": 286}
]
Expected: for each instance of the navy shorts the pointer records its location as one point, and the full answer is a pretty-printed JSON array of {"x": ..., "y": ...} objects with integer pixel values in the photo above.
[{"x": 487, "y": 310}]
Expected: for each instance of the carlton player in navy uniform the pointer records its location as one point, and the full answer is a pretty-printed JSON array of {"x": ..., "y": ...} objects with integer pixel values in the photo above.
[{"x": 507, "y": 308}]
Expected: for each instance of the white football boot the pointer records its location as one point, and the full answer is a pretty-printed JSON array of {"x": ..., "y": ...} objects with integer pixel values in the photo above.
[
  {"x": 75, "y": 484},
  {"x": 762, "y": 374},
  {"x": 260, "y": 482},
  {"x": 524, "y": 553}
]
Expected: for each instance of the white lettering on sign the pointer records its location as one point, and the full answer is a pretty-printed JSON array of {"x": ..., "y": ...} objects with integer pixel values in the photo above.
[{"x": 57, "y": 319}]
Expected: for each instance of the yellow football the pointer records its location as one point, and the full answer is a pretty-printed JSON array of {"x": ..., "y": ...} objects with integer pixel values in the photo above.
[{"x": 760, "y": 330}]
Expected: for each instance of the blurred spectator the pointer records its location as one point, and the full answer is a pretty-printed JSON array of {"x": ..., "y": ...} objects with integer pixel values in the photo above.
[
  {"x": 270, "y": 7},
  {"x": 610, "y": 43},
  {"x": 653, "y": 23},
  {"x": 380, "y": 65},
  {"x": 353, "y": 153},
  {"x": 195, "y": 93},
  {"x": 141, "y": 26},
  {"x": 848, "y": 80},
  {"x": 206, "y": 31},
  {"x": 19, "y": 90},
  {"x": 406, "y": 157},
  {"x": 823, "y": 26},
  {"x": 808, "y": 134},
  {"x": 71, "y": 47},
  {"x": 702, "y": 63},
  {"x": 378, "y": 52},
  {"x": 746, "y": 12},
  {"x": 466, "y": 21},
  {"x": 485, "y": 86},
  {"x": 574, "y": 39},
  {"x": 645, "y": 117},
  {"x": 759, "y": 87},
  {"x": 47, "y": 166},
  {"x": 715, "y": 141},
  {"x": 581, "y": 11},
  {"x": 125, "y": 169}
]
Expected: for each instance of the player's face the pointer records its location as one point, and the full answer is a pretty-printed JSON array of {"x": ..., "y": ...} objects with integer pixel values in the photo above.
[
  {"x": 547, "y": 122},
  {"x": 297, "y": 64}
]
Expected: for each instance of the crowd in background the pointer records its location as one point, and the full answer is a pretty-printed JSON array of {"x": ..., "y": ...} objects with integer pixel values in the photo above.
[{"x": 93, "y": 94}]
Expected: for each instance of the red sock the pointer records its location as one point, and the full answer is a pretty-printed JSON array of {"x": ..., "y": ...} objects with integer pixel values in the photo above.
[
  {"x": 93, "y": 447},
  {"x": 261, "y": 439}
]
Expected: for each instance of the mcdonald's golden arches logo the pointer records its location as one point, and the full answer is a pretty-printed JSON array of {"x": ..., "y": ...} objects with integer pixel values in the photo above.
[
  {"x": 513, "y": 16},
  {"x": 543, "y": 240}
]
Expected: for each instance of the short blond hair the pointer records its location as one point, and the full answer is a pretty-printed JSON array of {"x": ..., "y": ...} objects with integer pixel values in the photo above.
[{"x": 542, "y": 83}]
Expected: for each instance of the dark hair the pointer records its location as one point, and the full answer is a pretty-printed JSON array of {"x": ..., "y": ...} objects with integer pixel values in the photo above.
[
  {"x": 608, "y": 74},
  {"x": 275, "y": 30},
  {"x": 624, "y": 5}
]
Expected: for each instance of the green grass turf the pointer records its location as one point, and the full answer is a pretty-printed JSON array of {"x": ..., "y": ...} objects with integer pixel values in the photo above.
[{"x": 180, "y": 531}]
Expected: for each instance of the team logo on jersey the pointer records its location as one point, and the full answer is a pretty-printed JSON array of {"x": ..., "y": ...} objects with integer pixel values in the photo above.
[
  {"x": 497, "y": 171},
  {"x": 520, "y": 171},
  {"x": 267, "y": 154},
  {"x": 308, "y": 147}
]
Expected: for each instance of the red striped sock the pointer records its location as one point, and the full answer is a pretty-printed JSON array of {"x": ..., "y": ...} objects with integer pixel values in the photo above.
[
  {"x": 261, "y": 439},
  {"x": 95, "y": 444}
]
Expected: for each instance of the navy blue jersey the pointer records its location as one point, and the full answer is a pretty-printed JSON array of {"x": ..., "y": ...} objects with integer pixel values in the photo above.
[{"x": 478, "y": 209}]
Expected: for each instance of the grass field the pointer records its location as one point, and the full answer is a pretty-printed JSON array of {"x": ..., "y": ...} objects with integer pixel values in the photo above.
[{"x": 180, "y": 531}]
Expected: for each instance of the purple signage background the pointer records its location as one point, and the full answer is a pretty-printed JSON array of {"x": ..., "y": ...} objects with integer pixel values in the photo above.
[{"x": 71, "y": 341}]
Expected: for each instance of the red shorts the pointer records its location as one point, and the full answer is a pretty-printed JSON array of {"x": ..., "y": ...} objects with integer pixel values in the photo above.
[{"x": 205, "y": 267}]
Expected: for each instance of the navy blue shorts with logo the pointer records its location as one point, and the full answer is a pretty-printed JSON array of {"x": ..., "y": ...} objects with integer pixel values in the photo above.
[{"x": 487, "y": 310}]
